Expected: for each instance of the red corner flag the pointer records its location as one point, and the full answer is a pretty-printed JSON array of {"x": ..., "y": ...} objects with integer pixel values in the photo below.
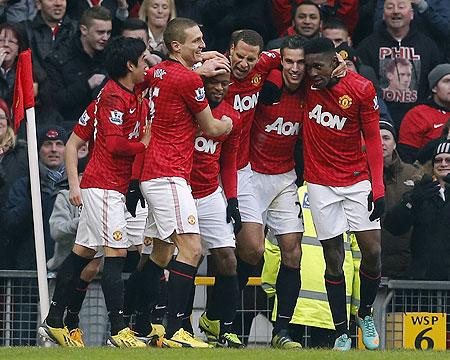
[{"x": 23, "y": 88}]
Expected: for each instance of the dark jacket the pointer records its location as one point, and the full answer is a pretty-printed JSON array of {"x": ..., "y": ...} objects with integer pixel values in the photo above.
[
  {"x": 395, "y": 250},
  {"x": 430, "y": 239},
  {"x": 380, "y": 49},
  {"x": 7, "y": 84},
  {"x": 18, "y": 219},
  {"x": 40, "y": 37},
  {"x": 68, "y": 69}
]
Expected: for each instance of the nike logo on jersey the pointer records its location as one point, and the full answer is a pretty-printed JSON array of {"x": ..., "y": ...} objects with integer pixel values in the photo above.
[
  {"x": 436, "y": 126},
  {"x": 327, "y": 119},
  {"x": 132, "y": 110}
]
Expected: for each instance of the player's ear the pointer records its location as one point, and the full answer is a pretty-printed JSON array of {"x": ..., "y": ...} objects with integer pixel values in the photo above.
[
  {"x": 130, "y": 66},
  {"x": 176, "y": 46}
]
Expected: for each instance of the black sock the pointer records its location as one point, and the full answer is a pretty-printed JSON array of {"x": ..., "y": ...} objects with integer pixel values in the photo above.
[
  {"x": 159, "y": 310},
  {"x": 75, "y": 303},
  {"x": 147, "y": 295},
  {"x": 70, "y": 269},
  {"x": 181, "y": 281},
  {"x": 112, "y": 286},
  {"x": 369, "y": 283},
  {"x": 132, "y": 286},
  {"x": 244, "y": 270},
  {"x": 335, "y": 286},
  {"x": 226, "y": 296},
  {"x": 131, "y": 261},
  {"x": 288, "y": 288},
  {"x": 187, "y": 324}
]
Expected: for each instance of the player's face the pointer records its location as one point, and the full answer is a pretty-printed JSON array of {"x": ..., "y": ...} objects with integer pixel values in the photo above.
[
  {"x": 191, "y": 50},
  {"x": 338, "y": 36},
  {"x": 216, "y": 88},
  {"x": 388, "y": 144},
  {"x": 293, "y": 63},
  {"x": 400, "y": 79},
  {"x": 97, "y": 34},
  {"x": 319, "y": 68},
  {"x": 243, "y": 58},
  {"x": 137, "y": 34},
  {"x": 51, "y": 153},
  {"x": 442, "y": 90},
  {"x": 139, "y": 70},
  {"x": 52, "y": 10},
  {"x": 397, "y": 13},
  {"x": 441, "y": 166},
  {"x": 307, "y": 20},
  {"x": 158, "y": 13}
]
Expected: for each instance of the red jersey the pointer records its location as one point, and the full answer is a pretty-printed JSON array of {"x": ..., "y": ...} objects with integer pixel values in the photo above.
[
  {"x": 176, "y": 94},
  {"x": 422, "y": 124},
  {"x": 116, "y": 112},
  {"x": 275, "y": 131},
  {"x": 334, "y": 120},
  {"x": 243, "y": 96},
  {"x": 214, "y": 155}
]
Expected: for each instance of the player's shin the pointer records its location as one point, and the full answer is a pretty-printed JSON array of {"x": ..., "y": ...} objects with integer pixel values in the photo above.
[{"x": 335, "y": 285}]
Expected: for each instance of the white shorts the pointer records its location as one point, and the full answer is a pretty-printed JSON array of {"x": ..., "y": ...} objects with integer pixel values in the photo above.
[
  {"x": 136, "y": 225},
  {"x": 336, "y": 209},
  {"x": 102, "y": 220},
  {"x": 171, "y": 208},
  {"x": 212, "y": 219},
  {"x": 248, "y": 204},
  {"x": 278, "y": 200}
]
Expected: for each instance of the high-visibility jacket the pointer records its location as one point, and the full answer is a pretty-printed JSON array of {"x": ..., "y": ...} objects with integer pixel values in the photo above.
[{"x": 312, "y": 307}]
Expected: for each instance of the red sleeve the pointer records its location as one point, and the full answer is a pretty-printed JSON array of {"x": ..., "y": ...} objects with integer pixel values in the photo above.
[
  {"x": 85, "y": 126},
  {"x": 137, "y": 166},
  {"x": 193, "y": 92},
  {"x": 412, "y": 129},
  {"x": 282, "y": 15},
  {"x": 370, "y": 122},
  {"x": 118, "y": 145},
  {"x": 268, "y": 61},
  {"x": 348, "y": 12},
  {"x": 228, "y": 158}
]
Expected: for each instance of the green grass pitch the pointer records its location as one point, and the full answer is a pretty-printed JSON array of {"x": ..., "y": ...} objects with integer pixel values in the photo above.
[{"x": 31, "y": 353}]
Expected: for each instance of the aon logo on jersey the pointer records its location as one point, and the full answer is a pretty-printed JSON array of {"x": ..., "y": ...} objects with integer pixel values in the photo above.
[
  {"x": 327, "y": 119},
  {"x": 283, "y": 127},
  {"x": 205, "y": 145},
  {"x": 246, "y": 103}
]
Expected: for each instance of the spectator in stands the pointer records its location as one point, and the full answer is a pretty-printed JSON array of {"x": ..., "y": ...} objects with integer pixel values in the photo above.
[
  {"x": 336, "y": 30},
  {"x": 50, "y": 27},
  {"x": 306, "y": 21},
  {"x": 426, "y": 209},
  {"x": 12, "y": 41},
  {"x": 118, "y": 8},
  {"x": 402, "y": 56},
  {"x": 17, "y": 211},
  {"x": 425, "y": 122},
  {"x": 157, "y": 13},
  {"x": 15, "y": 11},
  {"x": 75, "y": 70},
  {"x": 432, "y": 17},
  {"x": 398, "y": 178}
]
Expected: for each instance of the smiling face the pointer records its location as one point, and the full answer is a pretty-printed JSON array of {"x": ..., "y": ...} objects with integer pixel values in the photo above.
[
  {"x": 97, "y": 34},
  {"x": 51, "y": 153},
  {"x": 307, "y": 20},
  {"x": 52, "y": 11},
  {"x": 191, "y": 49},
  {"x": 397, "y": 14},
  {"x": 320, "y": 68},
  {"x": 138, "y": 72},
  {"x": 216, "y": 88},
  {"x": 293, "y": 63},
  {"x": 441, "y": 167},
  {"x": 243, "y": 58}
]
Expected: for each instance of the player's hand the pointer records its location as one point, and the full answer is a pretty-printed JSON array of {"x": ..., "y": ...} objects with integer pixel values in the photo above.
[
  {"x": 341, "y": 69},
  {"x": 95, "y": 80},
  {"x": 424, "y": 189},
  {"x": 133, "y": 196},
  {"x": 146, "y": 135},
  {"x": 75, "y": 196},
  {"x": 207, "y": 55},
  {"x": 229, "y": 123},
  {"x": 213, "y": 67},
  {"x": 234, "y": 214},
  {"x": 377, "y": 207}
]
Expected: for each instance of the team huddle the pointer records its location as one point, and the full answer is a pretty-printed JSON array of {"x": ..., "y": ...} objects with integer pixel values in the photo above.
[{"x": 209, "y": 152}]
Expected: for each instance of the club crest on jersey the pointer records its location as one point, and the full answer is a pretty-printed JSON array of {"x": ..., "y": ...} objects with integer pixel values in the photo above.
[
  {"x": 256, "y": 79},
  {"x": 83, "y": 120},
  {"x": 159, "y": 73},
  {"x": 117, "y": 235},
  {"x": 200, "y": 94},
  {"x": 345, "y": 102},
  {"x": 116, "y": 117},
  {"x": 191, "y": 219}
]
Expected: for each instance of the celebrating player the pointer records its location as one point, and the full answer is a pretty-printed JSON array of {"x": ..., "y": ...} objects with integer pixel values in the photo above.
[{"x": 343, "y": 195}]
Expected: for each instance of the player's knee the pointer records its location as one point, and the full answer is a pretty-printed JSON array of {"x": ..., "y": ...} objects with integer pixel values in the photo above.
[
  {"x": 227, "y": 263},
  {"x": 252, "y": 255}
]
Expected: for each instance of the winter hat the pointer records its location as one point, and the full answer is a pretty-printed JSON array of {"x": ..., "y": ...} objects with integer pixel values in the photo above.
[
  {"x": 442, "y": 148},
  {"x": 437, "y": 74},
  {"x": 51, "y": 132},
  {"x": 386, "y": 125}
]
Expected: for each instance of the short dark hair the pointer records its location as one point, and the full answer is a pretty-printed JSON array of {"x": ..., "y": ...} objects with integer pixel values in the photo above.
[
  {"x": 176, "y": 31},
  {"x": 95, "y": 13},
  {"x": 292, "y": 42},
  {"x": 306, "y": 2},
  {"x": 132, "y": 24},
  {"x": 319, "y": 46},
  {"x": 250, "y": 37},
  {"x": 334, "y": 23},
  {"x": 118, "y": 52}
]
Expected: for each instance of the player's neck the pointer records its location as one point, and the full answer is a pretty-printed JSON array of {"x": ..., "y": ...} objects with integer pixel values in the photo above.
[
  {"x": 180, "y": 59},
  {"x": 126, "y": 82}
]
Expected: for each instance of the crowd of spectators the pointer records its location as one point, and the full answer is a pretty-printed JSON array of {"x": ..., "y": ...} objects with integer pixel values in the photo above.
[{"x": 404, "y": 51}]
